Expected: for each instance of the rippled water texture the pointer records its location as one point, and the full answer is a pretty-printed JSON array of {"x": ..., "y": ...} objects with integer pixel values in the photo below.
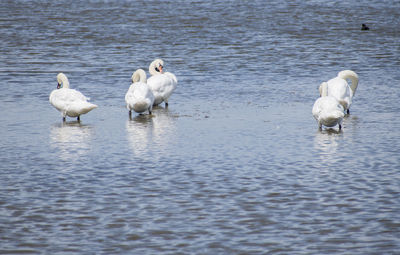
[{"x": 236, "y": 163}]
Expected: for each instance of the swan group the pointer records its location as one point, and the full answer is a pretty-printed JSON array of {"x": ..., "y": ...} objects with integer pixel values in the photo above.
[
  {"x": 336, "y": 98},
  {"x": 69, "y": 102},
  {"x": 329, "y": 109},
  {"x": 141, "y": 96}
]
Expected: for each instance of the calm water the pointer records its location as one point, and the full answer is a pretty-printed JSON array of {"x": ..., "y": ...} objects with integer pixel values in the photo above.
[{"x": 235, "y": 165}]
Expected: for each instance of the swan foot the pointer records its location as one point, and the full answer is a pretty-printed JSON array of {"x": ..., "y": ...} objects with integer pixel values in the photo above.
[
  {"x": 64, "y": 119},
  {"x": 166, "y": 105},
  {"x": 78, "y": 118}
]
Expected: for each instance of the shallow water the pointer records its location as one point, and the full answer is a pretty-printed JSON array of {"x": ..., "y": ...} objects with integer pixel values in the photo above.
[{"x": 235, "y": 165}]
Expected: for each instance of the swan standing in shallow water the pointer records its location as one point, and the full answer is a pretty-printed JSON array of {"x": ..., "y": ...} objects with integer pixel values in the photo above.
[
  {"x": 139, "y": 97},
  {"x": 162, "y": 84},
  {"x": 327, "y": 110},
  {"x": 341, "y": 90},
  {"x": 69, "y": 102}
]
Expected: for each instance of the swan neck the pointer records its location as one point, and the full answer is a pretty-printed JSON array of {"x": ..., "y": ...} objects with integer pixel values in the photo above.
[
  {"x": 354, "y": 84},
  {"x": 154, "y": 66},
  {"x": 63, "y": 80},
  {"x": 323, "y": 89},
  {"x": 143, "y": 77},
  {"x": 139, "y": 76},
  {"x": 65, "y": 84},
  {"x": 352, "y": 76}
]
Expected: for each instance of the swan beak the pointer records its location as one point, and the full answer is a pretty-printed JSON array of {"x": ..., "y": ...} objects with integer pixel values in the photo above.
[
  {"x": 58, "y": 85},
  {"x": 159, "y": 69}
]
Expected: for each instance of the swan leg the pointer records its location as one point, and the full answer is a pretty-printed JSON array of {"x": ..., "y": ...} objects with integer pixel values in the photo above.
[
  {"x": 64, "y": 119},
  {"x": 78, "y": 118},
  {"x": 340, "y": 127},
  {"x": 348, "y": 111}
]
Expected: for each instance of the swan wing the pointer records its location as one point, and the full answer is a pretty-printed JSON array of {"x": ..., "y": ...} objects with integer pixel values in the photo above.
[
  {"x": 158, "y": 83},
  {"x": 172, "y": 85},
  {"x": 129, "y": 96},
  {"x": 162, "y": 85},
  {"x": 317, "y": 108},
  {"x": 139, "y": 93},
  {"x": 340, "y": 89},
  {"x": 70, "y": 102},
  {"x": 172, "y": 77}
]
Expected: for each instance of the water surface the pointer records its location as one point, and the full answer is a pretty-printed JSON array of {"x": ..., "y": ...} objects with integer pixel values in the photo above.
[{"x": 235, "y": 165}]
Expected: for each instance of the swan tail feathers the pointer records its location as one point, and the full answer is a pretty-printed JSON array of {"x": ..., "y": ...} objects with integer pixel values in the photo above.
[
  {"x": 338, "y": 114},
  {"x": 82, "y": 108},
  {"x": 141, "y": 106}
]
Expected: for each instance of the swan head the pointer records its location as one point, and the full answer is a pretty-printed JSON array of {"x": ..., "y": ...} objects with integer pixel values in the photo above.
[
  {"x": 323, "y": 89},
  {"x": 156, "y": 67},
  {"x": 139, "y": 75},
  {"x": 62, "y": 81}
]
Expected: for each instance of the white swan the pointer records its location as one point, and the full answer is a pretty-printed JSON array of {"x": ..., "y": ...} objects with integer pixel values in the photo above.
[
  {"x": 327, "y": 110},
  {"x": 340, "y": 89},
  {"x": 69, "y": 102},
  {"x": 162, "y": 84},
  {"x": 139, "y": 97}
]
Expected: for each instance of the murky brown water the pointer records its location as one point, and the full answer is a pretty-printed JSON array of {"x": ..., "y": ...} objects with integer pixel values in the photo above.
[{"x": 235, "y": 165}]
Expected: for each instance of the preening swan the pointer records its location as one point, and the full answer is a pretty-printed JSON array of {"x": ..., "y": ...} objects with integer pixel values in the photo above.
[
  {"x": 69, "y": 102},
  {"x": 327, "y": 110},
  {"x": 139, "y": 97},
  {"x": 341, "y": 90},
  {"x": 161, "y": 83}
]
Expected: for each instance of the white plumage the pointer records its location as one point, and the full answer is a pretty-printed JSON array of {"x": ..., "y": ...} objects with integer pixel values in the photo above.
[
  {"x": 341, "y": 90},
  {"x": 327, "y": 110},
  {"x": 139, "y": 97},
  {"x": 69, "y": 102},
  {"x": 161, "y": 83}
]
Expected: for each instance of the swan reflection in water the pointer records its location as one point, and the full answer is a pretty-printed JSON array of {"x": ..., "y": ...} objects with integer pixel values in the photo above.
[
  {"x": 151, "y": 134},
  {"x": 139, "y": 130},
  {"x": 326, "y": 143},
  {"x": 164, "y": 128},
  {"x": 71, "y": 139}
]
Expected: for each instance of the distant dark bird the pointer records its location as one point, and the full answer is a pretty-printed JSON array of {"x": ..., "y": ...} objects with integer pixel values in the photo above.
[{"x": 364, "y": 27}]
